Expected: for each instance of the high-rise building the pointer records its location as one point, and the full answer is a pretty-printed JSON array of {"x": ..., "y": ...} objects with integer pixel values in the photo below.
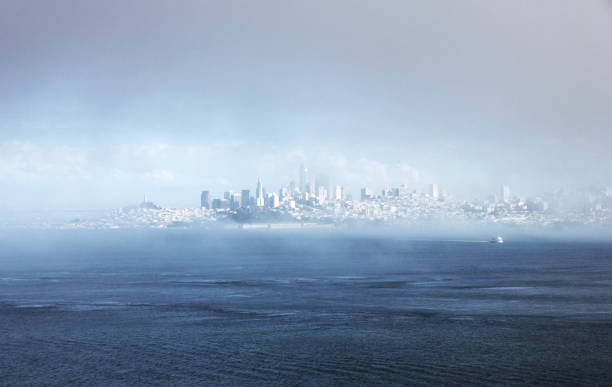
[
  {"x": 321, "y": 194},
  {"x": 235, "y": 201},
  {"x": 303, "y": 178},
  {"x": 205, "y": 199},
  {"x": 367, "y": 193},
  {"x": 259, "y": 195},
  {"x": 221, "y": 204},
  {"x": 505, "y": 193},
  {"x": 245, "y": 198},
  {"x": 283, "y": 194},
  {"x": 434, "y": 191},
  {"x": 273, "y": 200},
  {"x": 338, "y": 193}
]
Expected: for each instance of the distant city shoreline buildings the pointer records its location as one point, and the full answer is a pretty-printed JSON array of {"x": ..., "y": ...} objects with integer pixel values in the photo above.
[{"x": 321, "y": 203}]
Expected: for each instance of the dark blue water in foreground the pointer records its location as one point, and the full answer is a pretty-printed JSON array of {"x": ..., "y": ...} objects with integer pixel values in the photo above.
[{"x": 309, "y": 309}]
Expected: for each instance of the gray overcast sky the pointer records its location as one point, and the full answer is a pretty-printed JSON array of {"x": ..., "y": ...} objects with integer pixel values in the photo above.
[{"x": 101, "y": 101}]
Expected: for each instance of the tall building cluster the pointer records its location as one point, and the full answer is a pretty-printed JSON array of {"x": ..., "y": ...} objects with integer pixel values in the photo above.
[
  {"x": 505, "y": 193},
  {"x": 308, "y": 192}
]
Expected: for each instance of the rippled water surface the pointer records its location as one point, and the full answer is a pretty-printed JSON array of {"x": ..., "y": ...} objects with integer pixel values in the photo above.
[{"x": 177, "y": 307}]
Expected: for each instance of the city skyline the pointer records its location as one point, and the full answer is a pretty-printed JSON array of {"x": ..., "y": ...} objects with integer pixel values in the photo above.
[
  {"x": 587, "y": 212},
  {"x": 318, "y": 186},
  {"x": 336, "y": 191}
]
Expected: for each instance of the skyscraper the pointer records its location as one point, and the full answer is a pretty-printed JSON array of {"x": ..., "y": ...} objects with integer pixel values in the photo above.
[
  {"x": 434, "y": 191},
  {"x": 205, "y": 200},
  {"x": 236, "y": 201},
  {"x": 311, "y": 189},
  {"x": 303, "y": 178},
  {"x": 273, "y": 201},
  {"x": 321, "y": 194},
  {"x": 283, "y": 194},
  {"x": 245, "y": 198},
  {"x": 505, "y": 193},
  {"x": 338, "y": 193},
  {"x": 260, "y": 200},
  {"x": 367, "y": 193}
]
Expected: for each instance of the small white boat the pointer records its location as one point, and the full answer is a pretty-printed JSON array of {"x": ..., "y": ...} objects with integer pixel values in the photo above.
[{"x": 497, "y": 240}]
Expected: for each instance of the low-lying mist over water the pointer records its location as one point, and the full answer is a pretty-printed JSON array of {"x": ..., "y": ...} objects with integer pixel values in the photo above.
[{"x": 161, "y": 307}]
